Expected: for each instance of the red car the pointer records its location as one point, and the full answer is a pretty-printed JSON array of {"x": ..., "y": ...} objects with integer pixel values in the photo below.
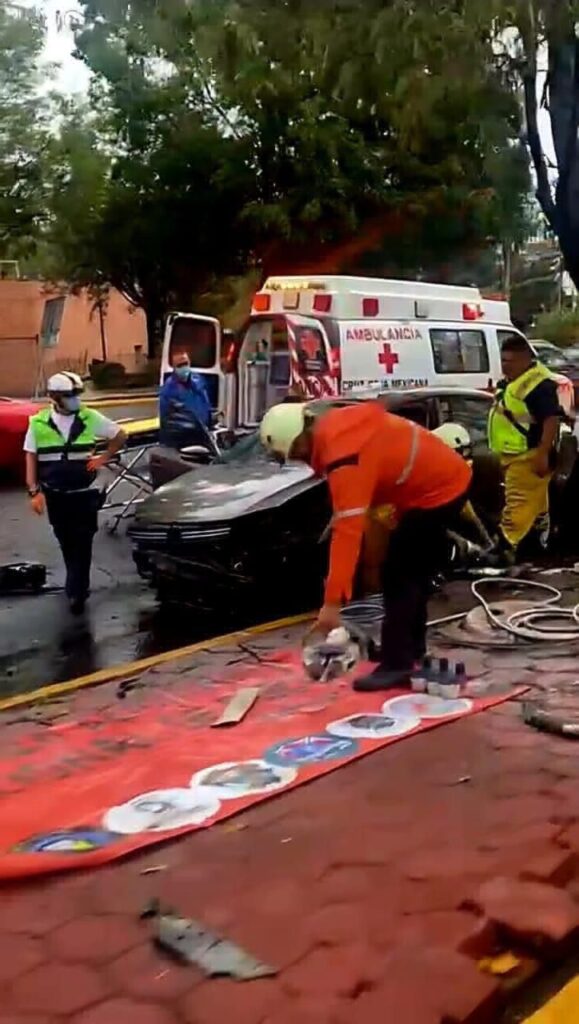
[{"x": 14, "y": 416}]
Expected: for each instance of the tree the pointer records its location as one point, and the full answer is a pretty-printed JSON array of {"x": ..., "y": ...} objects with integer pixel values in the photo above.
[
  {"x": 24, "y": 123},
  {"x": 531, "y": 35},
  {"x": 295, "y": 136}
]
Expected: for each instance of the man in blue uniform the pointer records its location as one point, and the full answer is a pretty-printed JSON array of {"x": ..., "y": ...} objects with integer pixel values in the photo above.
[{"x": 184, "y": 406}]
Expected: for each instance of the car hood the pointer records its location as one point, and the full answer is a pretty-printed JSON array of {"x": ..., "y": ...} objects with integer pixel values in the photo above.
[{"x": 223, "y": 493}]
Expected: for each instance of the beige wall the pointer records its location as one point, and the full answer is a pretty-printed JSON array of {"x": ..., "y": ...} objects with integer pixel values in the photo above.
[{"x": 24, "y": 365}]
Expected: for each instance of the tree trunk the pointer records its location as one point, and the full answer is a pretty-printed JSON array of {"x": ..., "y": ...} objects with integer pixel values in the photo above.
[
  {"x": 564, "y": 115},
  {"x": 154, "y": 317}
]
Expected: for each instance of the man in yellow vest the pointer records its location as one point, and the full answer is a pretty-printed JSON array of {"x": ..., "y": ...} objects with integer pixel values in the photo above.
[
  {"x": 61, "y": 470},
  {"x": 523, "y": 431}
]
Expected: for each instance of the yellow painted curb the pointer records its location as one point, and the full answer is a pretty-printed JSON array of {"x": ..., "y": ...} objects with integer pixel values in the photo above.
[
  {"x": 100, "y": 402},
  {"x": 107, "y": 675},
  {"x": 561, "y": 1009}
]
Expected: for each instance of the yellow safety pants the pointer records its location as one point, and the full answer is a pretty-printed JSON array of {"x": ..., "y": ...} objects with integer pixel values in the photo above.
[{"x": 526, "y": 496}]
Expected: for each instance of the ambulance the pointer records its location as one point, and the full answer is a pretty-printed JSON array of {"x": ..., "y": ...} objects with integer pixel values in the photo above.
[{"x": 322, "y": 336}]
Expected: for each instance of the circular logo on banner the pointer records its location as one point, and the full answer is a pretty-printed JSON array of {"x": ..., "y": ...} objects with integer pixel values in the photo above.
[
  {"x": 425, "y": 706},
  {"x": 84, "y": 839},
  {"x": 161, "y": 810},
  {"x": 372, "y": 727},
  {"x": 311, "y": 750},
  {"x": 235, "y": 779}
]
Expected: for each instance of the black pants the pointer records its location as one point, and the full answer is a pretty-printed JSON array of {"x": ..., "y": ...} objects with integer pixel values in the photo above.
[
  {"x": 417, "y": 551},
  {"x": 73, "y": 516}
]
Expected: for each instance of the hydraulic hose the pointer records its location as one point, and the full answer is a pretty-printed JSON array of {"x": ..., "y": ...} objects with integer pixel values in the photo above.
[{"x": 542, "y": 621}]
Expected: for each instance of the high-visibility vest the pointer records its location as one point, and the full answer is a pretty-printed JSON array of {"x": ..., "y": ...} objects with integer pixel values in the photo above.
[
  {"x": 509, "y": 418},
  {"x": 62, "y": 463}
]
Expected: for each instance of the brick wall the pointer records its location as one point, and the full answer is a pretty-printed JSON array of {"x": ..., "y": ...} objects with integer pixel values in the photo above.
[{"x": 23, "y": 364}]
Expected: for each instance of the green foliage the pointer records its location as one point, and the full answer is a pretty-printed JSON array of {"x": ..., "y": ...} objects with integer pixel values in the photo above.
[
  {"x": 24, "y": 118},
  {"x": 560, "y": 327}
]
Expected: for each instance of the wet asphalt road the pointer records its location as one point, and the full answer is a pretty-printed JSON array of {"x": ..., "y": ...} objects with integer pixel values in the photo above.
[{"x": 40, "y": 641}]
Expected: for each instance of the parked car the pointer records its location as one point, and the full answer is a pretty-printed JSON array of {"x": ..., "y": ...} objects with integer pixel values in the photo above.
[
  {"x": 227, "y": 534},
  {"x": 14, "y": 416}
]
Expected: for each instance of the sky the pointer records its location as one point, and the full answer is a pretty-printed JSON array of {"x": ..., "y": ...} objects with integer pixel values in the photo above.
[{"x": 72, "y": 76}]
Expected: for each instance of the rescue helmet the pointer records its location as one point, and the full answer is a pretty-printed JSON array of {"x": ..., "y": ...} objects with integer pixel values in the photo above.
[
  {"x": 281, "y": 425},
  {"x": 456, "y": 437},
  {"x": 65, "y": 383}
]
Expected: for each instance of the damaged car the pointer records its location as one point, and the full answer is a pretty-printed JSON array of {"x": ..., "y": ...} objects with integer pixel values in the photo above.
[{"x": 244, "y": 531}]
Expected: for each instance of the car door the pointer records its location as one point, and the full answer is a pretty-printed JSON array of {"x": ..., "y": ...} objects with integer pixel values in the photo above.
[{"x": 471, "y": 411}]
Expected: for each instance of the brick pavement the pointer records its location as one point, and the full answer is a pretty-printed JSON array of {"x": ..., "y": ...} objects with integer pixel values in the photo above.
[{"x": 374, "y": 890}]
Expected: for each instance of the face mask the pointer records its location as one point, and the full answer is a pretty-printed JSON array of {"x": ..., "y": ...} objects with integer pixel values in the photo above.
[
  {"x": 70, "y": 403},
  {"x": 182, "y": 372}
]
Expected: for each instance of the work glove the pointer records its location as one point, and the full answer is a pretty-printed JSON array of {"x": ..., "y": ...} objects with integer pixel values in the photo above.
[
  {"x": 97, "y": 462},
  {"x": 38, "y": 504}
]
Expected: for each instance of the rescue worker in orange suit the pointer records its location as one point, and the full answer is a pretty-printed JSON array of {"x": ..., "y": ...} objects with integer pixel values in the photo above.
[{"x": 371, "y": 458}]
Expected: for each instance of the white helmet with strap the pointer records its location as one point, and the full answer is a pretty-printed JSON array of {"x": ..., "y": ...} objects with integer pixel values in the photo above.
[
  {"x": 455, "y": 436},
  {"x": 65, "y": 383},
  {"x": 281, "y": 425}
]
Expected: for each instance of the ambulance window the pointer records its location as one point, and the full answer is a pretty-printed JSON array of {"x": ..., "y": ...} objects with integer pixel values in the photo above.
[
  {"x": 459, "y": 351},
  {"x": 198, "y": 338},
  {"x": 311, "y": 350}
]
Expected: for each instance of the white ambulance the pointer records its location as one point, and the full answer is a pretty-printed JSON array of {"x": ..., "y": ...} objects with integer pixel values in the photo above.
[{"x": 319, "y": 336}]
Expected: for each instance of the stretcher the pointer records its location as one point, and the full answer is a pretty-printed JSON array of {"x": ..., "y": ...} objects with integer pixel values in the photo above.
[{"x": 130, "y": 467}]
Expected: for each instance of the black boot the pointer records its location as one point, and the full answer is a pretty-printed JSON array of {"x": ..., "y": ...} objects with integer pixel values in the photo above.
[{"x": 383, "y": 678}]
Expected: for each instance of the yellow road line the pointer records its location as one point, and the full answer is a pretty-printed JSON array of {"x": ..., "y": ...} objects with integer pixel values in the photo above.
[
  {"x": 107, "y": 675},
  {"x": 561, "y": 1009}
]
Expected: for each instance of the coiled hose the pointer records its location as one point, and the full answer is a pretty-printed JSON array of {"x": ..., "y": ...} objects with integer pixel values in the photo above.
[{"x": 541, "y": 621}]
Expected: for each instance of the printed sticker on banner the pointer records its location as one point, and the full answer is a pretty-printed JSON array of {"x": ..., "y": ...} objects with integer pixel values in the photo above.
[
  {"x": 84, "y": 839},
  {"x": 422, "y": 704},
  {"x": 372, "y": 727},
  {"x": 235, "y": 779},
  {"x": 161, "y": 810},
  {"x": 311, "y": 750}
]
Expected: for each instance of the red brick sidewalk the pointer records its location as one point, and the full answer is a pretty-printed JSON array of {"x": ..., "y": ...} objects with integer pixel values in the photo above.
[{"x": 374, "y": 890}]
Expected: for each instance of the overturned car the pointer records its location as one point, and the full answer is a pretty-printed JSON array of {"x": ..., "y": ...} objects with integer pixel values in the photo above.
[{"x": 246, "y": 534}]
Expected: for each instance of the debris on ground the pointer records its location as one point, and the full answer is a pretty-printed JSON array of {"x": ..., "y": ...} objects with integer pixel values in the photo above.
[
  {"x": 190, "y": 942},
  {"x": 555, "y": 710},
  {"x": 237, "y": 708}
]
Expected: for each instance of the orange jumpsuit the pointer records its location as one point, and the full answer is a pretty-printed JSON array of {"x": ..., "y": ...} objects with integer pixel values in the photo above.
[{"x": 373, "y": 458}]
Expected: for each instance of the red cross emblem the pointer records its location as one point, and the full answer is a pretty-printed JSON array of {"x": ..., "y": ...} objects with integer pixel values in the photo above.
[{"x": 388, "y": 359}]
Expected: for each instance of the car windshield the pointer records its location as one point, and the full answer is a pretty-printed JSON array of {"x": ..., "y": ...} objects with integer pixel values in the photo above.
[{"x": 247, "y": 449}]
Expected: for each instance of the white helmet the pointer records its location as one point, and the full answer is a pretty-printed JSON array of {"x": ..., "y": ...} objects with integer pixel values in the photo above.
[
  {"x": 456, "y": 437},
  {"x": 281, "y": 425},
  {"x": 65, "y": 383}
]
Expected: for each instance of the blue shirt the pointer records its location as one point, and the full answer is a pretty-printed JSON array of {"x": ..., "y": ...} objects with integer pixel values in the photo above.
[{"x": 183, "y": 404}]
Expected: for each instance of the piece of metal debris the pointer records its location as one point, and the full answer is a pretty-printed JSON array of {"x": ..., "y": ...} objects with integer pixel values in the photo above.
[
  {"x": 189, "y": 941},
  {"x": 154, "y": 869},
  {"x": 237, "y": 708},
  {"x": 151, "y": 909}
]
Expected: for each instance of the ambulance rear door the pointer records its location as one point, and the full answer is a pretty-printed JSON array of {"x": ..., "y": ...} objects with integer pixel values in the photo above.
[{"x": 200, "y": 338}]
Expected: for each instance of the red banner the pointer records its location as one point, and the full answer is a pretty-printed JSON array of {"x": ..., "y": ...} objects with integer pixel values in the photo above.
[{"x": 86, "y": 792}]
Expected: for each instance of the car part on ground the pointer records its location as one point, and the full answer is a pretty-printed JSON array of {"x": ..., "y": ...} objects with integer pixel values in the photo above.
[{"x": 22, "y": 578}]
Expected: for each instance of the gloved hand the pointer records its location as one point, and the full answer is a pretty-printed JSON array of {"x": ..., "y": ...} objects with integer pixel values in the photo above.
[
  {"x": 38, "y": 504},
  {"x": 97, "y": 462}
]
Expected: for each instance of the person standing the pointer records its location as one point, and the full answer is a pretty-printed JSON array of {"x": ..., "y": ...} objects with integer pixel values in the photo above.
[
  {"x": 372, "y": 458},
  {"x": 61, "y": 471},
  {"x": 184, "y": 408},
  {"x": 523, "y": 429}
]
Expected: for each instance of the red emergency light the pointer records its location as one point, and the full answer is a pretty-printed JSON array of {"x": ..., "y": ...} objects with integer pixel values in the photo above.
[
  {"x": 370, "y": 307},
  {"x": 261, "y": 302},
  {"x": 322, "y": 303},
  {"x": 471, "y": 311}
]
